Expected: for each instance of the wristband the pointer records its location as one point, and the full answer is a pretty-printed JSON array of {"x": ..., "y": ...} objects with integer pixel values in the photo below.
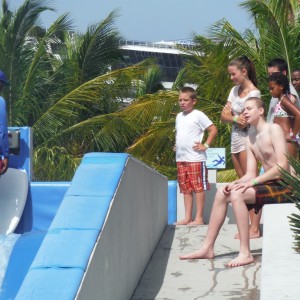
[
  {"x": 235, "y": 118},
  {"x": 206, "y": 145},
  {"x": 254, "y": 182}
]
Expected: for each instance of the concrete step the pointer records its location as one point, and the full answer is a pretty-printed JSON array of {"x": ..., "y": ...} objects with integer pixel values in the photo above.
[
  {"x": 280, "y": 263},
  {"x": 167, "y": 277}
]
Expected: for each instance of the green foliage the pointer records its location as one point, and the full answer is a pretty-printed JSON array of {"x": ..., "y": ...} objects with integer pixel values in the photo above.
[
  {"x": 60, "y": 79},
  {"x": 62, "y": 84}
]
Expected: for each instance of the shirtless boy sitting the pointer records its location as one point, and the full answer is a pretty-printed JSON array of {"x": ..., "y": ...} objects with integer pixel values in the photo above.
[{"x": 266, "y": 144}]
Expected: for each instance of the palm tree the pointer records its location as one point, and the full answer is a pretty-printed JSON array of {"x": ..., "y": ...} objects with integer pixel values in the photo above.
[
  {"x": 275, "y": 35},
  {"x": 58, "y": 80}
]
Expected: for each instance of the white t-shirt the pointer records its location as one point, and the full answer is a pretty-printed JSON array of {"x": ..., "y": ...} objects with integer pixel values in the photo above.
[
  {"x": 274, "y": 101},
  {"x": 238, "y": 135},
  {"x": 190, "y": 129},
  {"x": 238, "y": 103}
]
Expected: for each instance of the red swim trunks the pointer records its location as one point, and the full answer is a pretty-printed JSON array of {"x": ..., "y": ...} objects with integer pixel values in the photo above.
[{"x": 192, "y": 177}]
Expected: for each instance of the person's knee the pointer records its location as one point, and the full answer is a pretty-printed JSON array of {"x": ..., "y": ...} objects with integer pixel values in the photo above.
[
  {"x": 220, "y": 196},
  {"x": 236, "y": 197}
]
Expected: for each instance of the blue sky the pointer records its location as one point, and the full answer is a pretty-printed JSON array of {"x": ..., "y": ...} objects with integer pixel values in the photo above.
[{"x": 150, "y": 20}]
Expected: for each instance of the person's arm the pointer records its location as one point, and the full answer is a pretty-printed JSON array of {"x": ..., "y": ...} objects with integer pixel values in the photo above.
[
  {"x": 212, "y": 133},
  {"x": 4, "y": 165},
  {"x": 293, "y": 98},
  {"x": 4, "y": 146},
  {"x": 294, "y": 95},
  {"x": 252, "y": 165},
  {"x": 293, "y": 110},
  {"x": 227, "y": 117},
  {"x": 226, "y": 114}
]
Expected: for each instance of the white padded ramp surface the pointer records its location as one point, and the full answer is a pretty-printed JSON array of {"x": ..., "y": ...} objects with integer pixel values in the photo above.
[{"x": 13, "y": 194}]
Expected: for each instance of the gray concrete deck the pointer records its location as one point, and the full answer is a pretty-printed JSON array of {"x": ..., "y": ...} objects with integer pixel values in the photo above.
[{"x": 166, "y": 277}]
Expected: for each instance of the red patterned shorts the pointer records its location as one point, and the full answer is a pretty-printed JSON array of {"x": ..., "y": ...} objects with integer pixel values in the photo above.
[{"x": 192, "y": 177}]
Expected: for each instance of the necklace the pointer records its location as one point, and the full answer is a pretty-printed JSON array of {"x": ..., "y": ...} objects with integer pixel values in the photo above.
[{"x": 246, "y": 90}]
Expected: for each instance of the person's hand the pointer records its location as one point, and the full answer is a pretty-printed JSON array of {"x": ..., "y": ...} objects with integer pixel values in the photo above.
[
  {"x": 243, "y": 186},
  {"x": 4, "y": 166},
  {"x": 199, "y": 147},
  {"x": 228, "y": 188},
  {"x": 174, "y": 148},
  {"x": 291, "y": 137},
  {"x": 241, "y": 122},
  {"x": 227, "y": 111}
]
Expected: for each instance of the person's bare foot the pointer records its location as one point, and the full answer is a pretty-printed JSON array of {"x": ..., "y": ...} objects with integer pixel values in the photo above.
[
  {"x": 197, "y": 222},
  {"x": 241, "y": 260},
  {"x": 253, "y": 234},
  {"x": 183, "y": 222},
  {"x": 200, "y": 254}
]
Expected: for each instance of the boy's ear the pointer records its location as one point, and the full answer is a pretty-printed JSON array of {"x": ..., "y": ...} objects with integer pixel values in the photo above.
[{"x": 261, "y": 111}]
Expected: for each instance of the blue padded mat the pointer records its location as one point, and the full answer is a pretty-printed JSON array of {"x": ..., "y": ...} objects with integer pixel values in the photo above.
[
  {"x": 21, "y": 258},
  {"x": 65, "y": 249},
  {"x": 82, "y": 212},
  {"x": 51, "y": 284},
  {"x": 59, "y": 265},
  {"x": 104, "y": 171}
]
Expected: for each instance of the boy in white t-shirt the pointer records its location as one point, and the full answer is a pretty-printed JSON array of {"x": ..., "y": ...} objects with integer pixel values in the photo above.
[{"x": 190, "y": 154}]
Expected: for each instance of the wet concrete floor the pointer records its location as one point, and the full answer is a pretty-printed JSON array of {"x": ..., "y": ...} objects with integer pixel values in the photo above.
[{"x": 168, "y": 278}]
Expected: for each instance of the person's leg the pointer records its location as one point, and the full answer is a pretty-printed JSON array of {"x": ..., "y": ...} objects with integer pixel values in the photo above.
[
  {"x": 188, "y": 206},
  {"x": 185, "y": 188},
  {"x": 239, "y": 168},
  {"x": 216, "y": 221},
  {"x": 238, "y": 201},
  {"x": 241, "y": 165},
  {"x": 292, "y": 151},
  {"x": 243, "y": 161},
  {"x": 200, "y": 201},
  {"x": 254, "y": 231}
]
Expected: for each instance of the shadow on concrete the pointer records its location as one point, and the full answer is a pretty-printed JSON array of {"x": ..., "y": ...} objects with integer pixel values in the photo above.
[{"x": 153, "y": 277}]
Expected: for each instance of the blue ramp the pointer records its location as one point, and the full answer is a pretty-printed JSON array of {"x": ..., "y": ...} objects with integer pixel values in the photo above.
[{"x": 57, "y": 270}]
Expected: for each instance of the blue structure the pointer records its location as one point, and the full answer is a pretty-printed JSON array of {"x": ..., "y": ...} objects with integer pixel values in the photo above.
[
  {"x": 46, "y": 250},
  {"x": 60, "y": 226},
  {"x": 20, "y": 142},
  {"x": 172, "y": 201}
]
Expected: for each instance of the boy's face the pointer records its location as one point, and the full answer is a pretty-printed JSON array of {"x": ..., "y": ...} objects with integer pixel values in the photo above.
[
  {"x": 252, "y": 112},
  {"x": 186, "y": 103},
  {"x": 272, "y": 70},
  {"x": 296, "y": 80}
]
